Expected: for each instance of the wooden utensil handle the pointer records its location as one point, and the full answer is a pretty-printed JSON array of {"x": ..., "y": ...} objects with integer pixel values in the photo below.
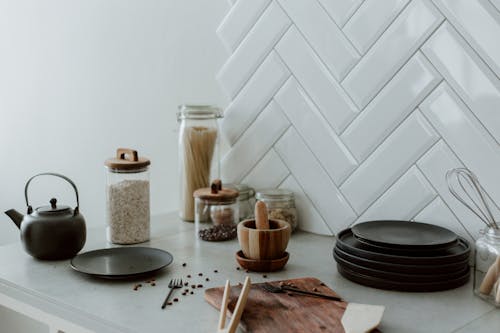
[
  {"x": 490, "y": 278},
  {"x": 127, "y": 154},
  {"x": 261, "y": 218}
]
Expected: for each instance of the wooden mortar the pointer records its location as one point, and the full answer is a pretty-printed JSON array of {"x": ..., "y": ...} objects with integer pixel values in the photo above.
[{"x": 264, "y": 244}]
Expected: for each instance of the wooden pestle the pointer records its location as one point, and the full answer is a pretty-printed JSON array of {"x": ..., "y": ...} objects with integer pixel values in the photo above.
[
  {"x": 490, "y": 278},
  {"x": 261, "y": 218}
]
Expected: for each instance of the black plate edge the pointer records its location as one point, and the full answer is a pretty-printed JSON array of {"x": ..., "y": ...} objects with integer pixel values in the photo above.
[
  {"x": 121, "y": 276},
  {"x": 396, "y": 268},
  {"x": 400, "y": 286},
  {"x": 400, "y": 277},
  {"x": 396, "y": 245},
  {"x": 402, "y": 259}
]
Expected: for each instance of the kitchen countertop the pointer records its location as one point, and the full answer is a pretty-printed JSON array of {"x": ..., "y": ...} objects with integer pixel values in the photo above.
[{"x": 73, "y": 302}]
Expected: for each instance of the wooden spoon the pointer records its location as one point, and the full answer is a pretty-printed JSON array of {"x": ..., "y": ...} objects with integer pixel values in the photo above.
[
  {"x": 261, "y": 218},
  {"x": 361, "y": 318},
  {"x": 490, "y": 278}
]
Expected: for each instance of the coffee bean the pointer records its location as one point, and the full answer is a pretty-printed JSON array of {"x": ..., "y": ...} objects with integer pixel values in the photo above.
[
  {"x": 237, "y": 268},
  {"x": 246, "y": 271},
  {"x": 207, "y": 279},
  {"x": 176, "y": 300},
  {"x": 193, "y": 286},
  {"x": 183, "y": 294},
  {"x": 189, "y": 276},
  {"x": 200, "y": 274},
  {"x": 191, "y": 293},
  {"x": 153, "y": 284},
  {"x": 184, "y": 265},
  {"x": 169, "y": 303},
  {"x": 264, "y": 276},
  {"x": 199, "y": 286},
  {"x": 186, "y": 290},
  {"x": 216, "y": 271}
]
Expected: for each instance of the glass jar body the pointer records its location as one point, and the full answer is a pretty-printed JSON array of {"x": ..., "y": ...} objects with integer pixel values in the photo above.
[
  {"x": 280, "y": 205},
  {"x": 127, "y": 206},
  {"x": 198, "y": 155},
  {"x": 216, "y": 221},
  {"x": 486, "y": 254}
]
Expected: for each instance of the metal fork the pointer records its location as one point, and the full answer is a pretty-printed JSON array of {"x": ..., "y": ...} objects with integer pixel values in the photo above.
[
  {"x": 173, "y": 284},
  {"x": 281, "y": 289}
]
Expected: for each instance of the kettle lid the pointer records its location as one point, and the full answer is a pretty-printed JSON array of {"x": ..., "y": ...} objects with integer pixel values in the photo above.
[{"x": 53, "y": 208}]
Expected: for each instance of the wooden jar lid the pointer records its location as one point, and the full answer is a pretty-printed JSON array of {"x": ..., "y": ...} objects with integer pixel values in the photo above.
[
  {"x": 127, "y": 160},
  {"x": 216, "y": 193}
]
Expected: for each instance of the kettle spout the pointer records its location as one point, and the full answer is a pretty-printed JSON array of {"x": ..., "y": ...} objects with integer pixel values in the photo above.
[{"x": 15, "y": 216}]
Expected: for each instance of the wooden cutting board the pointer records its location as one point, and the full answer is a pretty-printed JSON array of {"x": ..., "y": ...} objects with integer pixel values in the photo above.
[{"x": 267, "y": 312}]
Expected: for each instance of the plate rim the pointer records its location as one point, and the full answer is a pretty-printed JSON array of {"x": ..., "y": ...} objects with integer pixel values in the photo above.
[
  {"x": 359, "y": 234},
  {"x": 400, "y": 259},
  {"x": 116, "y": 276}
]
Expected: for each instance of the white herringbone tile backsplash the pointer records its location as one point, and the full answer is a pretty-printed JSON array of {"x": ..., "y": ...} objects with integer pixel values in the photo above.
[{"x": 360, "y": 107}]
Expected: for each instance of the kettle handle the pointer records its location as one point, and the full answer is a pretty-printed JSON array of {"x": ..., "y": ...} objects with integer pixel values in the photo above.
[{"x": 30, "y": 209}]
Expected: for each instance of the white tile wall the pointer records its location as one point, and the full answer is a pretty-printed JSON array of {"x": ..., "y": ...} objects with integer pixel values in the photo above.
[{"x": 361, "y": 106}]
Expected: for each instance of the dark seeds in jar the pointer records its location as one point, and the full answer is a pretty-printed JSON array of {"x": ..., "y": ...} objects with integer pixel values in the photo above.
[{"x": 220, "y": 232}]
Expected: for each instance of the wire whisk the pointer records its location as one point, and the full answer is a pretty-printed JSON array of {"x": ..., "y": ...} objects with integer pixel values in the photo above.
[{"x": 479, "y": 202}]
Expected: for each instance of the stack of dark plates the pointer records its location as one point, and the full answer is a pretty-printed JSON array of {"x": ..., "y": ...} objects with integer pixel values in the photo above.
[{"x": 402, "y": 255}]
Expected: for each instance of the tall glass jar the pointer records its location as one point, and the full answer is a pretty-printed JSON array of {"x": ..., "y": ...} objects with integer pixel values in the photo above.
[
  {"x": 280, "y": 205},
  {"x": 127, "y": 198},
  {"x": 487, "y": 266},
  {"x": 198, "y": 152}
]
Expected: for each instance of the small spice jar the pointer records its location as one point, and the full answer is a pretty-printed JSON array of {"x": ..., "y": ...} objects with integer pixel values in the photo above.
[
  {"x": 246, "y": 200},
  {"x": 280, "y": 205},
  {"x": 216, "y": 212},
  {"x": 127, "y": 194},
  {"x": 487, "y": 266}
]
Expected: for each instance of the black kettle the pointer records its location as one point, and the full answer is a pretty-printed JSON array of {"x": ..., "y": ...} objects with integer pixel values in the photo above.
[{"x": 51, "y": 232}]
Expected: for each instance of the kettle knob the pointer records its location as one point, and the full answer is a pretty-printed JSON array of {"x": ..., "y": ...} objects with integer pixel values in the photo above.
[{"x": 53, "y": 203}]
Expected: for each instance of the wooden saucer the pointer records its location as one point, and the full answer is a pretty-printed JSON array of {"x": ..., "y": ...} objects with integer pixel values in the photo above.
[{"x": 261, "y": 265}]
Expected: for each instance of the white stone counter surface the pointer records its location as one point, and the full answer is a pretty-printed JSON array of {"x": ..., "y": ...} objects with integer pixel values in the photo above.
[{"x": 50, "y": 291}]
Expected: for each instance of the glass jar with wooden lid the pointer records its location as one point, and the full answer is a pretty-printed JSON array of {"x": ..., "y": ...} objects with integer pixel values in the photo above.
[
  {"x": 216, "y": 212},
  {"x": 127, "y": 198}
]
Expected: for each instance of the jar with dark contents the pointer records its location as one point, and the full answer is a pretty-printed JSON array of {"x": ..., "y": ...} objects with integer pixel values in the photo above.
[
  {"x": 280, "y": 205},
  {"x": 216, "y": 212}
]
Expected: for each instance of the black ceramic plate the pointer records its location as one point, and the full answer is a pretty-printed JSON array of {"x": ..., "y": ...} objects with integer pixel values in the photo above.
[
  {"x": 452, "y": 255},
  {"x": 401, "y": 276},
  {"x": 401, "y": 286},
  {"x": 404, "y": 234},
  {"x": 404, "y": 269},
  {"x": 121, "y": 262},
  {"x": 410, "y": 251}
]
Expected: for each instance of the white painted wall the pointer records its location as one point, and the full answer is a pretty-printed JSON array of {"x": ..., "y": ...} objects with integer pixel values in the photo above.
[{"x": 80, "y": 78}]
